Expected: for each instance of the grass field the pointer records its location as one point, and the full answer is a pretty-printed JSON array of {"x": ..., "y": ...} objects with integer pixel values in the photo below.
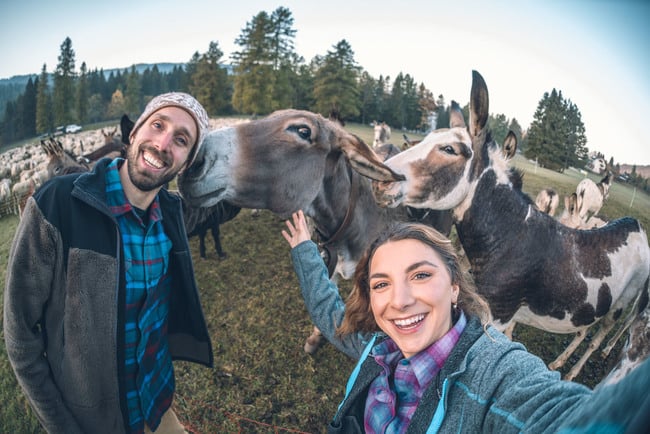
[{"x": 263, "y": 382}]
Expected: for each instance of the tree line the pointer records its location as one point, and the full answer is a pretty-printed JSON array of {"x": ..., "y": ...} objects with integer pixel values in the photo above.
[{"x": 266, "y": 74}]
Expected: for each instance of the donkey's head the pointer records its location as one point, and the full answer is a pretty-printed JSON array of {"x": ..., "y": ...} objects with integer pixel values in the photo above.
[
  {"x": 441, "y": 170},
  {"x": 60, "y": 161}
]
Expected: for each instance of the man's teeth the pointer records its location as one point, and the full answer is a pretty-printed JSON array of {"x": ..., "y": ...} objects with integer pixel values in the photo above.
[
  {"x": 158, "y": 164},
  {"x": 409, "y": 321}
]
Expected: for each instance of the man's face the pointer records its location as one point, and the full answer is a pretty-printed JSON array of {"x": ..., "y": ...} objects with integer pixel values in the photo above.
[{"x": 160, "y": 147}]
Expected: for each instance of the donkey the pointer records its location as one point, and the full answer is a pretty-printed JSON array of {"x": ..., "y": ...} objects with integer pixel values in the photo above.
[
  {"x": 547, "y": 201},
  {"x": 571, "y": 217},
  {"x": 61, "y": 161},
  {"x": 292, "y": 160},
  {"x": 591, "y": 196},
  {"x": 113, "y": 147},
  {"x": 529, "y": 267},
  {"x": 381, "y": 134}
]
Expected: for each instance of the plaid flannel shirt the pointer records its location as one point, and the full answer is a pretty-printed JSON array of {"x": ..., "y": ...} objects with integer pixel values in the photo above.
[
  {"x": 149, "y": 371},
  {"x": 395, "y": 394}
]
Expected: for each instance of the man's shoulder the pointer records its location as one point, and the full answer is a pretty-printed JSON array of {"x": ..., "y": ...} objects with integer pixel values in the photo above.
[{"x": 59, "y": 186}]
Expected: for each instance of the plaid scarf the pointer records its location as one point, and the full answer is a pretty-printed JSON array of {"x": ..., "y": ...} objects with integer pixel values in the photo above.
[{"x": 149, "y": 371}]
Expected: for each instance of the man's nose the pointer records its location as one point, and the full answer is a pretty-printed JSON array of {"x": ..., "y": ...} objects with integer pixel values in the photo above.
[{"x": 164, "y": 141}]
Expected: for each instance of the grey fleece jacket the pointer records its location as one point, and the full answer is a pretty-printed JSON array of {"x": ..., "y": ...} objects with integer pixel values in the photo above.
[
  {"x": 64, "y": 304},
  {"x": 488, "y": 384}
]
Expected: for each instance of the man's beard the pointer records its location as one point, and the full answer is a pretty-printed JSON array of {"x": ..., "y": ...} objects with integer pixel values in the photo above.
[{"x": 143, "y": 181}]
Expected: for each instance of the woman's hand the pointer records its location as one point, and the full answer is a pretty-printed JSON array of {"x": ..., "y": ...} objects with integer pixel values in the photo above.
[{"x": 298, "y": 230}]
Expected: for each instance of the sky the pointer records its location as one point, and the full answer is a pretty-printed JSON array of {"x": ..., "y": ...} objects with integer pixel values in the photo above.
[{"x": 595, "y": 51}]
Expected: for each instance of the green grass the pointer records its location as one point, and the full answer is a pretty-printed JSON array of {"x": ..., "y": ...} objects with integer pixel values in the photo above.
[{"x": 262, "y": 378}]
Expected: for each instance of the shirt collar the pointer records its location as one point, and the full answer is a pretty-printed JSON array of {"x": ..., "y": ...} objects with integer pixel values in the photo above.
[
  {"x": 116, "y": 198},
  {"x": 426, "y": 363}
]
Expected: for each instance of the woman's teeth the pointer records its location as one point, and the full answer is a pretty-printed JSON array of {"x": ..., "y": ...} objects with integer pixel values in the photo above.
[{"x": 408, "y": 322}]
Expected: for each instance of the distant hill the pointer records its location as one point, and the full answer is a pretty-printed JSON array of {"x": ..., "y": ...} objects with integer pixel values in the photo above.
[
  {"x": 141, "y": 67},
  {"x": 12, "y": 88}
]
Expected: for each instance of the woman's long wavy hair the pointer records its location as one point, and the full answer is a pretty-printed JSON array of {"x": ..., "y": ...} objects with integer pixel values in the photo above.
[{"x": 358, "y": 314}]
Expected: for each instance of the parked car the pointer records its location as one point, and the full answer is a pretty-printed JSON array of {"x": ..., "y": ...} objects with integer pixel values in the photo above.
[
  {"x": 72, "y": 128},
  {"x": 624, "y": 177}
]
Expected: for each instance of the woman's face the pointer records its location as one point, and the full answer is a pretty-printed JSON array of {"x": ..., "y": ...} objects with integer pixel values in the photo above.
[{"x": 411, "y": 294}]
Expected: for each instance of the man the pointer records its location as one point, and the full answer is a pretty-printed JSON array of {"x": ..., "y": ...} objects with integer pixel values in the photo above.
[{"x": 100, "y": 293}]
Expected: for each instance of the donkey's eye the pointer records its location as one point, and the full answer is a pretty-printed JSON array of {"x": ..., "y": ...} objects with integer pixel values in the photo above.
[
  {"x": 448, "y": 149},
  {"x": 303, "y": 131}
]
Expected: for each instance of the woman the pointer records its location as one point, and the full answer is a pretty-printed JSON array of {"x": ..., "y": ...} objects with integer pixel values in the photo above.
[{"x": 429, "y": 361}]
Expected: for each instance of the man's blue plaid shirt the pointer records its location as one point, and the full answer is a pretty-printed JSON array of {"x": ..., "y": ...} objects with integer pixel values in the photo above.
[{"x": 149, "y": 371}]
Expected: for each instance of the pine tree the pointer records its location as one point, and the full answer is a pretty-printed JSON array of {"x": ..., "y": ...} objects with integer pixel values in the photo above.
[
  {"x": 29, "y": 109},
  {"x": 427, "y": 106},
  {"x": 133, "y": 101},
  {"x": 410, "y": 97},
  {"x": 64, "y": 75},
  {"x": 556, "y": 136},
  {"x": 253, "y": 65},
  {"x": 382, "y": 97},
  {"x": 44, "y": 121},
  {"x": 303, "y": 86},
  {"x": 9, "y": 126},
  {"x": 397, "y": 116},
  {"x": 83, "y": 94},
  {"x": 367, "y": 95},
  {"x": 335, "y": 83},
  {"x": 209, "y": 83},
  {"x": 442, "y": 113}
]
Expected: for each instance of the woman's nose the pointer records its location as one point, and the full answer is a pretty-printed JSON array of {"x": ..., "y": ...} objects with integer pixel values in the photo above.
[{"x": 402, "y": 296}]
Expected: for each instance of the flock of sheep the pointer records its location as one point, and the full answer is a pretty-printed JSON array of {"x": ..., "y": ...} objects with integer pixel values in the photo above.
[{"x": 23, "y": 169}]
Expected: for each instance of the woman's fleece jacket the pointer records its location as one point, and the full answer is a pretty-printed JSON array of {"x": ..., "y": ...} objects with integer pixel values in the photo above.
[
  {"x": 64, "y": 304},
  {"x": 488, "y": 384}
]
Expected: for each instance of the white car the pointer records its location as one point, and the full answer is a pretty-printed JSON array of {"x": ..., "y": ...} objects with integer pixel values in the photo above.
[{"x": 73, "y": 128}]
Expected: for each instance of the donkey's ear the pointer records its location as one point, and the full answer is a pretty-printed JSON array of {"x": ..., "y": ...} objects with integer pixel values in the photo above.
[
  {"x": 510, "y": 145},
  {"x": 479, "y": 105},
  {"x": 456, "y": 118},
  {"x": 364, "y": 160},
  {"x": 126, "y": 126}
]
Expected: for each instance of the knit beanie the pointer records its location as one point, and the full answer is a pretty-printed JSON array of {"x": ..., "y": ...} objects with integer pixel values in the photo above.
[{"x": 181, "y": 100}]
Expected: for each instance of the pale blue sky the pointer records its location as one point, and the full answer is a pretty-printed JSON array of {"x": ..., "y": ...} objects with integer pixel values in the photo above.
[{"x": 595, "y": 51}]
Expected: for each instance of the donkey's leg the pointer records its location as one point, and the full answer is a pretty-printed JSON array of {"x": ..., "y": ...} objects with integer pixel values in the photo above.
[
  {"x": 606, "y": 325},
  {"x": 562, "y": 358},
  {"x": 202, "y": 244},
  {"x": 630, "y": 318},
  {"x": 216, "y": 236}
]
